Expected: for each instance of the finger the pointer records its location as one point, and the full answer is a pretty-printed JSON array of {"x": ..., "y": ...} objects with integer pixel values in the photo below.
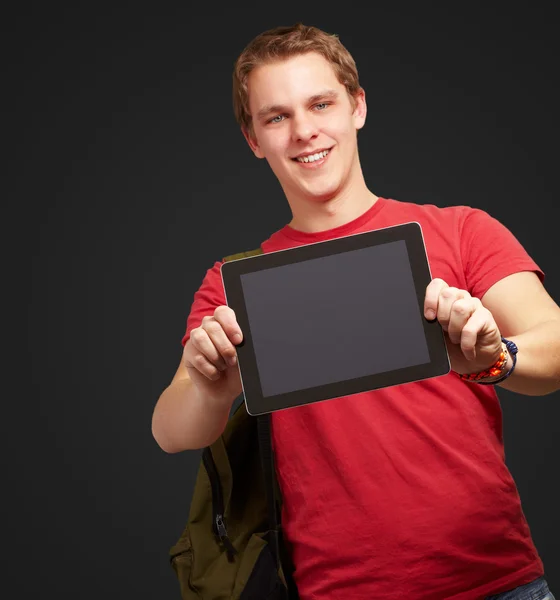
[
  {"x": 227, "y": 319},
  {"x": 220, "y": 340},
  {"x": 433, "y": 291},
  {"x": 460, "y": 312},
  {"x": 199, "y": 362},
  {"x": 447, "y": 299},
  {"x": 477, "y": 324},
  {"x": 203, "y": 344}
]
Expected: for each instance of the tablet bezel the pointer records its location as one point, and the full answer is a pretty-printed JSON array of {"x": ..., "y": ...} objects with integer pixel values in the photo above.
[{"x": 231, "y": 271}]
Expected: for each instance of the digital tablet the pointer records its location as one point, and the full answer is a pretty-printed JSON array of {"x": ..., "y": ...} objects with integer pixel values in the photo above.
[{"x": 334, "y": 318}]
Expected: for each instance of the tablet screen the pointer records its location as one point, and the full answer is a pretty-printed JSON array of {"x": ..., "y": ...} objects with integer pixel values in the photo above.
[
  {"x": 334, "y": 318},
  {"x": 310, "y": 328}
]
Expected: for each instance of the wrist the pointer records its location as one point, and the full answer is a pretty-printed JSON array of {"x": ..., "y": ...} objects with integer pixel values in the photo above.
[
  {"x": 217, "y": 401},
  {"x": 500, "y": 370},
  {"x": 508, "y": 364}
]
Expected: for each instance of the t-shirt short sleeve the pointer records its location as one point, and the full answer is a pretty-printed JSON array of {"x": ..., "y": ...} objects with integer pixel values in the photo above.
[
  {"x": 207, "y": 298},
  {"x": 490, "y": 252}
]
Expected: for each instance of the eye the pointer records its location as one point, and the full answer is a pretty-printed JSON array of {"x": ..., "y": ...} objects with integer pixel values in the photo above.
[
  {"x": 276, "y": 119},
  {"x": 321, "y": 105}
]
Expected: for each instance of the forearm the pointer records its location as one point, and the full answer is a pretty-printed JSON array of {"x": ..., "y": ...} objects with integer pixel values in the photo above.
[
  {"x": 537, "y": 371},
  {"x": 183, "y": 420}
]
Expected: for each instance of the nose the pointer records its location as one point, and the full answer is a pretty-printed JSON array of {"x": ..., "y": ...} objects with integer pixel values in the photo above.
[{"x": 304, "y": 127}]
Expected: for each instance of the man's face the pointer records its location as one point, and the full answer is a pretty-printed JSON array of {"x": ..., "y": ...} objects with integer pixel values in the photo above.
[{"x": 299, "y": 109}]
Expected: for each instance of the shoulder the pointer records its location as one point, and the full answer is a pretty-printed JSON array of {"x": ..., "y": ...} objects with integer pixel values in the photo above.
[
  {"x": 446, "y": 220},
  {"x": 429, "y": 209}
]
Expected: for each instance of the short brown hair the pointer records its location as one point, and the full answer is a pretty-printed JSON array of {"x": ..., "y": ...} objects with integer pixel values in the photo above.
[{"x": 284, "y": 42}]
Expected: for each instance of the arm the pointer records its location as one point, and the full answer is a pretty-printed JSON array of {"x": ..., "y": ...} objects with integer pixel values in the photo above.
[
  {"x": 526, "y": 314},
  {"x": 193, "y": 410},
  {"x": 516, "y": 307}
]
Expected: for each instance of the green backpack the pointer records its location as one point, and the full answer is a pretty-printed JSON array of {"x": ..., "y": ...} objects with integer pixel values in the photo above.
[{"x": 232, "y": 546}]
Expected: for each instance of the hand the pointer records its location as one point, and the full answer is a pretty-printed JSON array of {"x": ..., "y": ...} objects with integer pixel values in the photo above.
[
  {"x": 211, "y": 358},
  {"x": 472, "y": 336}
]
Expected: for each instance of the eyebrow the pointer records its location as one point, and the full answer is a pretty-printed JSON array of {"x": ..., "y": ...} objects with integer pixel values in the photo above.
[{"x": 278, "y": 108}]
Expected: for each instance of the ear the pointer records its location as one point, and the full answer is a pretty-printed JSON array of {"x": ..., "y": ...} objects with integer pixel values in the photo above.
[
  {"x": 252, "y": 141},
  {"x": 360, "y": 110}
]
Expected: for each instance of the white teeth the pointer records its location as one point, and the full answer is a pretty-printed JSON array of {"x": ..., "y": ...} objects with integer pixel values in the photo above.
[{"x": 313, "y": 157}]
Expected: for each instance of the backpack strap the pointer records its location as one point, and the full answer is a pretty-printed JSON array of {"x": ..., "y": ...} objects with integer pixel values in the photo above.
[
  {"x": 279, "y": 551},
  {"x": 267, "y": 457},
  {"x": 245, "y": 254},
  {"x": 267, "y": 462},
  {"x": 265, "y": 443}
]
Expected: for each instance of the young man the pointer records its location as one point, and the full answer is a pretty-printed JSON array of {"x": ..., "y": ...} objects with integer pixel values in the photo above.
[{"x": 403, "y": 492}]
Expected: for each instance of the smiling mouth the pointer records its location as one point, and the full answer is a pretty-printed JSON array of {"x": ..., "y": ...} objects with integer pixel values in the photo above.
[{"x": 310, "y": 158}]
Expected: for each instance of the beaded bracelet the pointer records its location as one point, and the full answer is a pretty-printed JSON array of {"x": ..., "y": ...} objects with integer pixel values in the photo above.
[{"x": 496, "y": 368}]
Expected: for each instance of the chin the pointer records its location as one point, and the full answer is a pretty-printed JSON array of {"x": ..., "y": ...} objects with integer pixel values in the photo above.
[
  {"x": 323, "y": 194},
  {"x": 321, "y": 198},
  {"x": 320, "y": 193}
]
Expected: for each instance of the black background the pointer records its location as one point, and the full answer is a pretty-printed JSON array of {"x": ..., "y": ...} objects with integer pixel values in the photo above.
[{"x": 131, "y": 178}]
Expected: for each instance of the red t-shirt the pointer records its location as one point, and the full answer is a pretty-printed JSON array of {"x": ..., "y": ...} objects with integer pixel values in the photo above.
[{"x": 403, "y": 492}]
